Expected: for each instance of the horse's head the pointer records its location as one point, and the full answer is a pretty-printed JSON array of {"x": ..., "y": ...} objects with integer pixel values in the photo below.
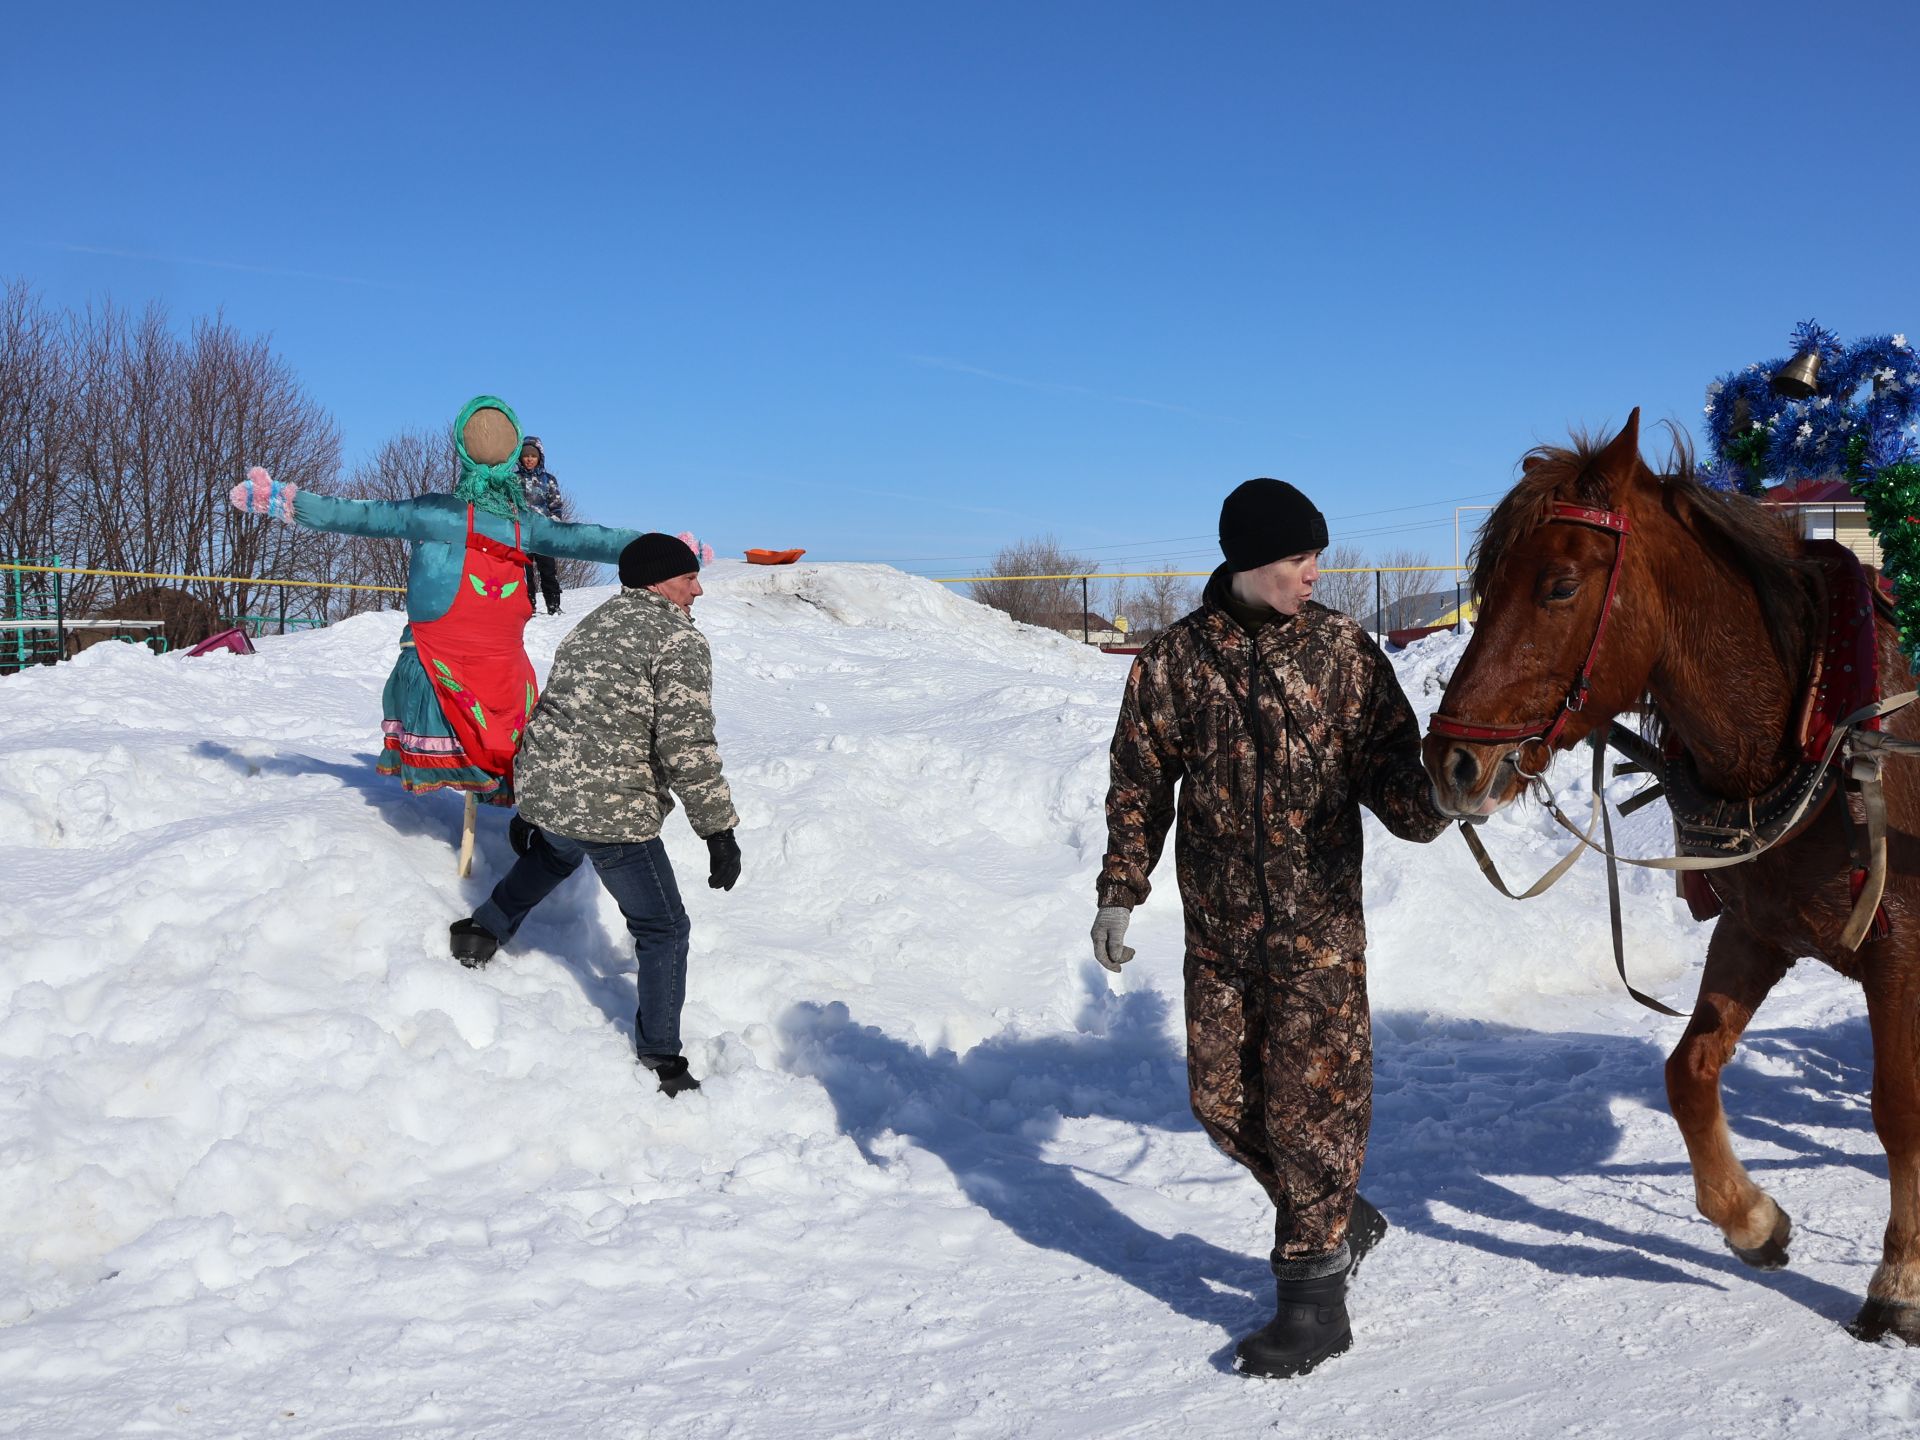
[{"x": 1563, "y": 641}]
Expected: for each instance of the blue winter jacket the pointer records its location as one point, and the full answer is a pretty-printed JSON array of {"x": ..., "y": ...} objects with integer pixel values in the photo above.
[{"x": 543, "y": 491}]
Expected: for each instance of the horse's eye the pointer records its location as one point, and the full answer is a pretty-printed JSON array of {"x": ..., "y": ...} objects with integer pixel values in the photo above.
[{"x": 1564, "y": 590}]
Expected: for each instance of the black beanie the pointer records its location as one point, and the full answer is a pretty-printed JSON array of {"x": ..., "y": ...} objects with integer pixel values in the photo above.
[
  {"x": 655, "y": 557},
  {"x": 1267, "y": 520}
]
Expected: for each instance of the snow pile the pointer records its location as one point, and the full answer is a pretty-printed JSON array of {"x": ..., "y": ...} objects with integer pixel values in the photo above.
[{"x": 274, "y": 1163}]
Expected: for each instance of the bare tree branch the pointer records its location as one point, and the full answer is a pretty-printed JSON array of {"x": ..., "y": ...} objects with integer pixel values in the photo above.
[{"x": 1055, "y": 603}]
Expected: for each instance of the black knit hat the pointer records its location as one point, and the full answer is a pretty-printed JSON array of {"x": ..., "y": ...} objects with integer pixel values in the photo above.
[
  {"x": 655, "y": 557},
  {"x": 1267, "y": 520}
]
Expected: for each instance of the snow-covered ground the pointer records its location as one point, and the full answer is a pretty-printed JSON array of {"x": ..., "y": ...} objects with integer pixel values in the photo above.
[{"x": 272, "y": 1164}]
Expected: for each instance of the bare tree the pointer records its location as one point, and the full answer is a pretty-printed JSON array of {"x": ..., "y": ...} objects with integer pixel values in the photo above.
[
  {"x": 1351, "y": 590},
  {"x": 1056, "y": 601},
  {"x": 1401, "y": 587},
  {"x": 36, "y": 393},
  {"x": 1161, "y": 599},
  {"x": 246, "y": 407},
  {"x": 161, "y": 428}
]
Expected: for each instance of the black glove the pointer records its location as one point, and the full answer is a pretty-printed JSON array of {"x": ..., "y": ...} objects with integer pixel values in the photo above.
[{"x": 723, "y": 854}]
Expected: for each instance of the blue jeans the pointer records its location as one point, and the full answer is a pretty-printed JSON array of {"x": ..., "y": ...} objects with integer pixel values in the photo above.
[{"x": 640, "y": 879}]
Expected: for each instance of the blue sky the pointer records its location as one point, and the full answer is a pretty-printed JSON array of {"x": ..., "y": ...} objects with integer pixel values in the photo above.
[{"x": 909, "y": 281}]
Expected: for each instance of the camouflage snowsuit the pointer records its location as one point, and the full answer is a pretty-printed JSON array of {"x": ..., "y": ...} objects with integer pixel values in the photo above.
[
  {"x": 626, "y": 723},
  {"x": 1279, "y": 1048}
]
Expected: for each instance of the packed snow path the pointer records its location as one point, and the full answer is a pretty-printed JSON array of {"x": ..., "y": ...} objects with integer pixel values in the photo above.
[{"x": 271, "y": 1163}]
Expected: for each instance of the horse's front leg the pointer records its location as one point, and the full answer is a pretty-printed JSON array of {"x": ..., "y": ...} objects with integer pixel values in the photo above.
[
  {"x": 1741, "y": 969},
  {"x": 1893, "y": 1296}
]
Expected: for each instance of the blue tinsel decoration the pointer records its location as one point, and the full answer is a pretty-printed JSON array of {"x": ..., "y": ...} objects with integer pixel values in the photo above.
[{"x": 1758, "y": 438}]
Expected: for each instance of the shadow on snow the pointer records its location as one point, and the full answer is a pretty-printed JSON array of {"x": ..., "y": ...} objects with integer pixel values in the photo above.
[{"x": 1462, "y": 1109}]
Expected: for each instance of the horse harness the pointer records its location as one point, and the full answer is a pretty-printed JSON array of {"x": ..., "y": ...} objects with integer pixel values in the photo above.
[
  {"x": 1548, "y": 731},
  {"x": 1840, "y": 718}
]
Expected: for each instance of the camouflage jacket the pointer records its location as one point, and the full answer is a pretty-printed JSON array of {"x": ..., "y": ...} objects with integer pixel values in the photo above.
[
  {"x": 626, "y": 724},
  {"x": 1275, "y": 742}
]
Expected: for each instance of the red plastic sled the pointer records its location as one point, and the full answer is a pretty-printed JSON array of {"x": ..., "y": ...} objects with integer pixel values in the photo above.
[
  {"x": 235, "y": 640},
  {"x": 773, "y": 557}
]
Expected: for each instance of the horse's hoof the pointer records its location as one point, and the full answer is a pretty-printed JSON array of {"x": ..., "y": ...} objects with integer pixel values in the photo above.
[
  {"x": 1880, "y": 1318},
  {"x": 1771, "y": 1253}
]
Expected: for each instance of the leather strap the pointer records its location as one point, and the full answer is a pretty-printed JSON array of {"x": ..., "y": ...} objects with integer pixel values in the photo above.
[{"x": 1547, "y": 731}]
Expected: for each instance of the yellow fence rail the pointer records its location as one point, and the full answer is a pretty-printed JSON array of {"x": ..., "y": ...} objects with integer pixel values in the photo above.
[
  {"x": 217, "y": 579},
  {"x": 1190, "y": 574}
]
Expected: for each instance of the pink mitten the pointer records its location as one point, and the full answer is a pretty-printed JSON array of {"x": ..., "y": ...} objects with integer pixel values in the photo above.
[
  {"x": 702, "y": 553},
  {"x": 261, "y": 494}
]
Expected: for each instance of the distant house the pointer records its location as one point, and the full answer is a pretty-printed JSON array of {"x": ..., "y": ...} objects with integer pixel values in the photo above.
[
  {"x": 1422, "y": 612},
  {"x": 1094, "y": 629},
  {"x": 1827, "y": 510}
]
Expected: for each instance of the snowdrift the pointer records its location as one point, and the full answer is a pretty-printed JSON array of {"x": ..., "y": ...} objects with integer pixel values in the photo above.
[{"x": 274, "y": 1164}]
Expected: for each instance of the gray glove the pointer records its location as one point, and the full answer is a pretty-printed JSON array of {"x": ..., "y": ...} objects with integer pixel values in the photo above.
[{"x": 1109, "y": 930}]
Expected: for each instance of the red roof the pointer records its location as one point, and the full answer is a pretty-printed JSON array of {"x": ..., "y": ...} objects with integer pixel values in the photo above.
[{"x": 1809, "y": 492}]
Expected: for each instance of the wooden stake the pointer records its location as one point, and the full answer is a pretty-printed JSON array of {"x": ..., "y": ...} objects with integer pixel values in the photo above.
[{"x": 467, "y": 825}]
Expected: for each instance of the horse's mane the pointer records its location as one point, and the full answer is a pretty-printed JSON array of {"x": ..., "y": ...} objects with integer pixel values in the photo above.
[{"x": 1757, "y": 542}]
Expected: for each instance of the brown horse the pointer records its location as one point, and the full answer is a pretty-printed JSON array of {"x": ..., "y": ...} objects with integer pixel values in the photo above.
[{"x": 1707, "y": 609}]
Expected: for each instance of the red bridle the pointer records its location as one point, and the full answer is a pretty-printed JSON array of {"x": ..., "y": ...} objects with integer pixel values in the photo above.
[{"x": 1547, "y": 731}]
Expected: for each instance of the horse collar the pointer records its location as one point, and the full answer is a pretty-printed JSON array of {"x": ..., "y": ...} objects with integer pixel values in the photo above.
[{"x": 1548, "y": 731}]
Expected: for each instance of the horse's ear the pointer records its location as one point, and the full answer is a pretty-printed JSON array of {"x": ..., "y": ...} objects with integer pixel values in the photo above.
[
  {"x": 1529, "y": 463},
  {"x": 1621, "y": 457}
]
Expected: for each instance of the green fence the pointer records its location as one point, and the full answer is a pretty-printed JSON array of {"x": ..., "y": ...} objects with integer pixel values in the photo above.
[
  {"x": 35, "y": 630},
  {"x": 30, "y": 614}
]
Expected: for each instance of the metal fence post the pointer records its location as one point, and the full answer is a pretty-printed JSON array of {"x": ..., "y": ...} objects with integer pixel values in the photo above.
[
  {"x": 1086, "y": 625},
  {"x": 59, "y": 616},
  {"x": 283, "y": 609},
  {"x": 16, "y": 580},
  {"x": 1379, "y": 609}
]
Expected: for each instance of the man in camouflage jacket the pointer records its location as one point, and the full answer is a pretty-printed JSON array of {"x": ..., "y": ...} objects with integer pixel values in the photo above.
[
  {"x": 626, "y": 723},
  {"x": 1276, "y": 718}
]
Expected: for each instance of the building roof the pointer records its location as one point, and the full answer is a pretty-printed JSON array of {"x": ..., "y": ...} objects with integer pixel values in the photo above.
[{"x": 1826, "y": 491}]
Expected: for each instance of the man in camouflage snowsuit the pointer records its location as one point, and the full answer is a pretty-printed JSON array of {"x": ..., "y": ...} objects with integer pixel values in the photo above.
[
  {"x": 1277, "y": 718},
  {"x": 626, "y": 723}
]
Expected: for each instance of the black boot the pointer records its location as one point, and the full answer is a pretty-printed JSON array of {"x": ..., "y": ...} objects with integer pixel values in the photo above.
[
  {"x": 1309, "y": 1323},
  {"x": 472, "y": 944},
  {"x": 672, "y": 1073},
  {"x": 1366, "y": 1228}
]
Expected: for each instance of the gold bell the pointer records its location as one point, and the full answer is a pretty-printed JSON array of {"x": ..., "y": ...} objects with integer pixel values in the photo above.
[{"x": 1799, "y": 378}]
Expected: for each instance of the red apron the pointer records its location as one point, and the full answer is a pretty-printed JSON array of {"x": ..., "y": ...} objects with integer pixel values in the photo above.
[{"x": 475, "y": 656}]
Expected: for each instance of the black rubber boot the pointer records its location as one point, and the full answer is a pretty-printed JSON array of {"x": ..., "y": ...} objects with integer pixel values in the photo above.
[
  {"x": 1309, "y": 1323},
  {"x": 672, "y": 1073},
  {"x": 472, "y": 944},
  {"x": 1366, "y": 1228}
]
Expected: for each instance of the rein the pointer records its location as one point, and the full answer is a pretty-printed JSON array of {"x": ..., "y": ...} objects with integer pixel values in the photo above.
[{"x": 1866, "y": 752}]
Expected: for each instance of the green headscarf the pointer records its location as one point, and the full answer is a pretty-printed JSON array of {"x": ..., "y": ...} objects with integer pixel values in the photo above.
[{"x": 494, "y": 488}]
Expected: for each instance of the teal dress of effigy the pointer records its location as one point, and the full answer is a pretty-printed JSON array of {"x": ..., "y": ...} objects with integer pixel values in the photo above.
[{"x": 461, "y": 689}]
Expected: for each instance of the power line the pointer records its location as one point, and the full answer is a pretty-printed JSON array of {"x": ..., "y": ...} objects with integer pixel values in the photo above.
[
  {"x": 1165, "y": 556},
  {"x": 1144, "y": 546}
]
